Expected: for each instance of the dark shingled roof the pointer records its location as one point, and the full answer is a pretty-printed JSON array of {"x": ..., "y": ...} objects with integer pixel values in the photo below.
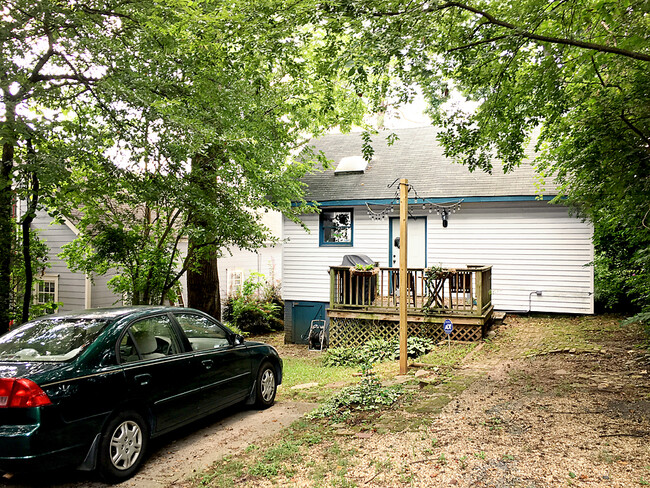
[{"x": 417, "y": 156}]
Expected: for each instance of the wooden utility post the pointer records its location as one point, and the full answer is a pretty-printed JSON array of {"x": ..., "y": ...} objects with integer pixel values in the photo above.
[{"x": 403, "y": 270}]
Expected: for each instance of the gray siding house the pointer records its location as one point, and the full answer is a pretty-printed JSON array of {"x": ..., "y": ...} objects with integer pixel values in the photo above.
[
  {"x": 540, "y": 255},
  {"x": 76, "y": 291}
]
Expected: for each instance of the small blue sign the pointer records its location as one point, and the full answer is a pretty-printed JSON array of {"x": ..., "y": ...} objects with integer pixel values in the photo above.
[{"x": 447, "y": 326}]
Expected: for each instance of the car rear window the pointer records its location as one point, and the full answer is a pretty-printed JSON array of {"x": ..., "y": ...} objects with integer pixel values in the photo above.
[{"x": 50, "y": 339}]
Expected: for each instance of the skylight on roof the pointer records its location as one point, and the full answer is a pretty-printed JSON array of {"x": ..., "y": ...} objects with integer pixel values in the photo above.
[{"x": 351, "y": 164}]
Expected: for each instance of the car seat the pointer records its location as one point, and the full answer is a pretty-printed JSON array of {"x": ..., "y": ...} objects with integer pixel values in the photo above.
[{"x": 147, "y": 344}]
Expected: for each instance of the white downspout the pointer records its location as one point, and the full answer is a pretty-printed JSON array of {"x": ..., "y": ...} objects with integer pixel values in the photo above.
[{"x": 88, "y": 288}]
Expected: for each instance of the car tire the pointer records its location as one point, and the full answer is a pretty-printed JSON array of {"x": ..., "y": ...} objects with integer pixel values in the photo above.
[
  {"x": 266, "y": 386},
  {"x": 122, "y": 446}
]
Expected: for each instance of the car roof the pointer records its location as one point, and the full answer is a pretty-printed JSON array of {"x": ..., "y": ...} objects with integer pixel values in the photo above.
[{"x": 113, "y": 313}]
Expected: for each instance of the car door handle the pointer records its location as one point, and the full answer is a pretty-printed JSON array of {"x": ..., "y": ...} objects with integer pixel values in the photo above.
[
  {"x": 207, "y": 363},
  {"x": 142, "y": 379}
]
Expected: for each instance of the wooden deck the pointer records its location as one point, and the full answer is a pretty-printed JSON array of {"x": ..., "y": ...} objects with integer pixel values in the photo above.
[{"x": 365, "y": 304}]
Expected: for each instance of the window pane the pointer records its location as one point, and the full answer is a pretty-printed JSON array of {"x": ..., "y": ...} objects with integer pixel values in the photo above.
[
  {"x": 49, "y": 339},
  {"x": 236, "y": 281},
  {"x": 154, "y": 338},
  {"x": 46, "y": 292},
  {"x": 336, "y": 226},
  {"x": 202, "y": 332}
]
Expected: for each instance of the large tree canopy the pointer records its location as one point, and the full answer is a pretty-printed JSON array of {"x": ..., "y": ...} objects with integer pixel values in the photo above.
[
  {"x": 576, "y": 72},
  {"x": 172, "y": 117},
  {"x": 179, "y": 119}
]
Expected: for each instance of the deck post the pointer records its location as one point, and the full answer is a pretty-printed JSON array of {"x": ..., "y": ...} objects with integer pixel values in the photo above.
[
  {"x": 332, "y": 288},
  {"x": 403, "y": 279},
  {"x": 479, "y": 290}
]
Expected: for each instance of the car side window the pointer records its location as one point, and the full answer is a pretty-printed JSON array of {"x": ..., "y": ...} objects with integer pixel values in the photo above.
[
  {"x": 149, "y": 338},
  {"x": 202, "y": 332}
]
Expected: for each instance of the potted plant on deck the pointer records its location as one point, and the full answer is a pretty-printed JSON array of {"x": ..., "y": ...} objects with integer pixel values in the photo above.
[{"x": 364, "y": 270}]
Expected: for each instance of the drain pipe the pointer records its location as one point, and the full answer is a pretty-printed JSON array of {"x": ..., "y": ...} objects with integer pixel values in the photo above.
[{"x": 530, "y": 296}]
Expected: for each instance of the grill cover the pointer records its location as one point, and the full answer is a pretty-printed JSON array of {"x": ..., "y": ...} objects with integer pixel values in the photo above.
[
  {"x": 356, "y": 290},
  {"x": 354, "y": 259}
]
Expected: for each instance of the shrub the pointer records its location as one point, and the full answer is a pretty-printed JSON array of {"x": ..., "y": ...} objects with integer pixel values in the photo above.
[
  {"x": 256, "y": 308},
  {"x": 376, "y": 351},
  {"x": 341, "y": 356},
  {"x": 417, "y": 346},
  {"x": 368, "y": 394}
]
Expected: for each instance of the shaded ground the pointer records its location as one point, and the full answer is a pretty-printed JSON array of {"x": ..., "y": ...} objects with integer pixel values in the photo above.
[
  {"x": 548, "y": 402},
  {"x": 185, "y": 452}
]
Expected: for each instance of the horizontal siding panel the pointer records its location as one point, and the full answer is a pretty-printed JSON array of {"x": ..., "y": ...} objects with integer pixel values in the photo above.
[
  {"x": 305, "y": 265},
  {"x": 531, "y": 246},
  {"x": 539, "y": 247}
]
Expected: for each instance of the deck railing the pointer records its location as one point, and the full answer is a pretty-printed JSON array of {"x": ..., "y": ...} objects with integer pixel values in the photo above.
[{"x": 462, "y": 290}]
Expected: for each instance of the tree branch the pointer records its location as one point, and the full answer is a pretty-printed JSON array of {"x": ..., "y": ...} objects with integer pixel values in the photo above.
[
  {"x": 537, "y": 37},
  {"x": 517, "y": 32},
  {"x": 622, "y": 115},
  {"x": 634, "y": 129},
  {"x": 477, "y": 43}
]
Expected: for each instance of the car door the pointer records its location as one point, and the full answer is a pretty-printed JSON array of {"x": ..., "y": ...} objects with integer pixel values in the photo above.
[
  {"x": 157, "y": 371},
  {"x": 223, "y": 367}
]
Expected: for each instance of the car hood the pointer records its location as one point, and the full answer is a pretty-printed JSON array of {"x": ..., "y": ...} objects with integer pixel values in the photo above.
[{"x": 10, "y": 369}]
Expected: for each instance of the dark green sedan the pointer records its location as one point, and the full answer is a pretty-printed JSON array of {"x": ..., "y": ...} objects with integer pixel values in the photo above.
[{"x": 90, "y": 389}]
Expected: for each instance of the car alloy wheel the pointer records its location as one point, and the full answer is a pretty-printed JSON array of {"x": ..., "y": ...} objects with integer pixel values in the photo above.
[
  {"x": 123, "y": 446},
  {"x": 126, "y": 445},
  {"x": 266, "y": 386}
]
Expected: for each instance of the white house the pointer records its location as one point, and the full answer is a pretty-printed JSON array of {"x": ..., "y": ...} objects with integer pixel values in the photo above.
[{"x": 540, "y": 255}]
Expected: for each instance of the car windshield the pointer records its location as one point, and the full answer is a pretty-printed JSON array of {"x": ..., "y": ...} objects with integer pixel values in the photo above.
[{"x": 50, "y": 339}]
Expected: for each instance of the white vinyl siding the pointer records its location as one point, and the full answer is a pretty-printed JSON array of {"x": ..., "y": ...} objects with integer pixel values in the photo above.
[
  {"x": 305, "y": 273},
  {"x": 101, "y": 295},
  {"x": 532, "y": 246},
  {"x": 265, "y": 260}
]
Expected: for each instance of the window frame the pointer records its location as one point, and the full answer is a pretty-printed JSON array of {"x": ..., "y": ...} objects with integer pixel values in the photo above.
[
  {"x": 41, "y": 280},
  {"x": 321, "y": 228},
  {"x": 232, "y": 274}
]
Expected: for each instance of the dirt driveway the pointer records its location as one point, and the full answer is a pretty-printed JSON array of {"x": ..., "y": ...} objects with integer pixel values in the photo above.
[
  {"x": 551, "y": 402},
  {"x": 178, "y": 456}
]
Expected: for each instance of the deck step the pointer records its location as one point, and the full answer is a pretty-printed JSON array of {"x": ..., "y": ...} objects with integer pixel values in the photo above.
[{"x": 498, "y": 317}]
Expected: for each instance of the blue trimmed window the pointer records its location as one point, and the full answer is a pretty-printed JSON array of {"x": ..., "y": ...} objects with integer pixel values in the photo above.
[{"x": 336, "y": 227}]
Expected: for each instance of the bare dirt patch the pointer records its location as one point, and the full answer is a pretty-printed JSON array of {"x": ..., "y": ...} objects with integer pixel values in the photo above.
[{"x": 552, "y": 405}]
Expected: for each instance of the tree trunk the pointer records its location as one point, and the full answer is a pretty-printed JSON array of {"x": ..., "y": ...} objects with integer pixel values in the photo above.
[
  {"x": 203, "y": 276},
  {"x": 203, "y": 286},
  {"x": 27, "y": 220},
  {"x": 6, "y": 233}
]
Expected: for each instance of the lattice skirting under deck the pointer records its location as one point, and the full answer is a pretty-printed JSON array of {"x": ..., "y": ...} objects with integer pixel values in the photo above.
[{"x": 348, "y": 332}]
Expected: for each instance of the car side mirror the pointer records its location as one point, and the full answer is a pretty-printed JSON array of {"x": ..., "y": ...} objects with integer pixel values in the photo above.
[{"x": 238, "y": 340}]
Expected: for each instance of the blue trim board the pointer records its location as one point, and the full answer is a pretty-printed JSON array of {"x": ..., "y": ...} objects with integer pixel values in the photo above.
[{"x": 387, "y": 201}]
